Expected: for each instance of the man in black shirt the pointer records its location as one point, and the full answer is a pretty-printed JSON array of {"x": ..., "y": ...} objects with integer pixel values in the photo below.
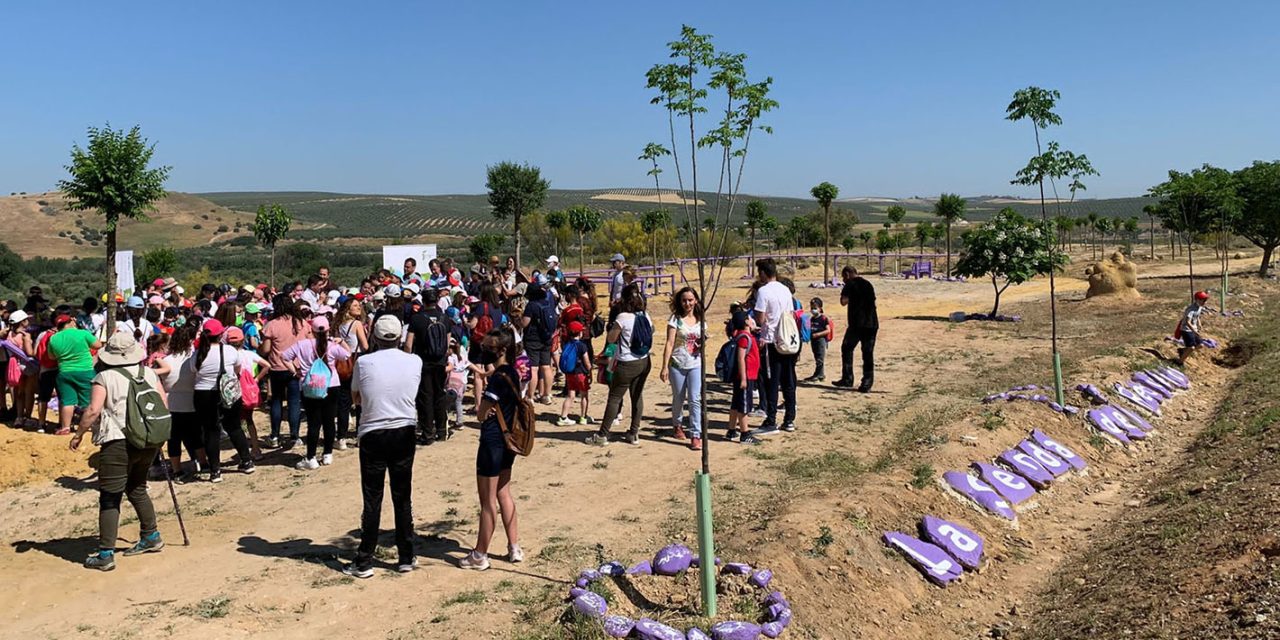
[
  {"x": 864, "y": 323},
  {"x": 429, "y": 340}
]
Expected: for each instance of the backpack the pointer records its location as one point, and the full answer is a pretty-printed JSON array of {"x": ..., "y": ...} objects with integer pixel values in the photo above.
[
  {"x": 484, "y": 324},
  {"x": 597, "y": 326},
  {"x": 436, "y": 343},
  {"x": 147, "y": 421},
  {"x": 546, "y": 317},
  {"x": 787, "y": 338},
  {"x": 316, "y": 383},
  {"x": 641, "y": 335},
  {"x": 248, "y": 389},
  {"x": 571, "y": 357},
  {"x": 520, "y": 434},
  {"x": 806, "y": 327},
  {"x": 727, "y": 361},
  {"x": 228, "y": 388}
]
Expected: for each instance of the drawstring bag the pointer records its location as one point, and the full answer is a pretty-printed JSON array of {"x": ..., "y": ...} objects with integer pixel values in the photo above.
[
  {"x": 249, "y": 393},
  {"x": 316, "y": 383}
]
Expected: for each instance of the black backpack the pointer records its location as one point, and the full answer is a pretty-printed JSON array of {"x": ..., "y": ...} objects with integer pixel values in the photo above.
[
  {"x": 435, "y": 346},
  {"x": 641, "y": 335}
]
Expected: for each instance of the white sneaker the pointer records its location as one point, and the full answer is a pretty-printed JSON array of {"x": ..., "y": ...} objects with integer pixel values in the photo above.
[
  {"x": 326, "y": 459},
  {"x": 406, "y": 567},
  {"x": 515, "y": 554},
  {"x": 307, "y": 464},
  {"x": 475, "y": 561},
  {"x": 341, "y": 444},
  {"x": 565, "y": 421}
]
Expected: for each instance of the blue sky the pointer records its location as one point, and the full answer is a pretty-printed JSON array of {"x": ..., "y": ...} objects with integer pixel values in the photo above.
[{"x": 879, "y": 98}]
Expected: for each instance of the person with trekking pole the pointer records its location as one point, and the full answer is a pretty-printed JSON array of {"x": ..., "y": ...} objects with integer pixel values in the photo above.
[{"x": 130, "y": 420}]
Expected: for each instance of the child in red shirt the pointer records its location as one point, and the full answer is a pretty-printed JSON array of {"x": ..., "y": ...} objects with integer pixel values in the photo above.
[
  {"x": 577, "y": 380},
  {"x": 746, "y": 372}
]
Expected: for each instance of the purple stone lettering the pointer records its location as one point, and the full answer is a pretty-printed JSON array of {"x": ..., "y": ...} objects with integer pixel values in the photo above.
[
  {"x": 1155, "y": 384},
  {"x": 1059, "y": 450},
  {"x": 735, "y": 630},
  {"x": 653, "y": 630},
  {"x": 784, "y": 618},
  {"x": 1091, "y": 392},
  {"x": 1135, "y": 420},
  {"x": 776, "y": 597},
  {"x": 761, "y": 578},
  {"x": 1119, "y": 419},
  {"x": 1027, "y": 467},
  {"x": 575, "y": 592},
  {"x": 642, "y": 568},
  {"x": 697, "y": 634},
  {"x": 1140, "y": 396},
  {"x": 774, "y": 611},
  {"x": 1070, "y": 410},
  {"x": 736, "y": 568},
  {"x": 590, "y": 575},
  {"x": 963, "y": 544},
  {"x": 590, "y": 605},
  {"x": 771, "y": 629},
  {"x": 1179, "y": 378},
  {"x": 618, "y": 626},
  {"x": 930, "y": 559},
  {"x": 1051, "y": 463},
  {"x": 582, "y": 583},
  {"x": 1008, "y": 484},
  {"x": 614, "y": 568},
  {"x": 980, "y": 492},
  {"x": 672, "y": 559},
  {"x": 1103, "y": 419}
]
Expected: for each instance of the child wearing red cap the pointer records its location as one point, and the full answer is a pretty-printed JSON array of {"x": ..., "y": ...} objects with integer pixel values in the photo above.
[
  {"x": 575, "y": 364},
  {"x": 1189, "y": 326}
]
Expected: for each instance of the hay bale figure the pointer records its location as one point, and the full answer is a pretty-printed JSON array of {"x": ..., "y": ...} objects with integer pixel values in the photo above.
[{"x": 1113, "y": 276}]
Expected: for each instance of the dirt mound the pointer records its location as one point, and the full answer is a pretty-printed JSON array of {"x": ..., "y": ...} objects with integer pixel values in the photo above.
[
  {"x": 30, "y": 457},
  {"x": 1113, "y": 276}
]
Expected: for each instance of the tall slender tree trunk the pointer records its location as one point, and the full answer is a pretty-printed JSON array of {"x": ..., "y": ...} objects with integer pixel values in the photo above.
[
  {"x": 948, "y": 248},
  {"x": 826, "y": 244},
  {"x": 751, "y": 267},
  {"x": 581, "y": 255},
  {"x": 111, "y": 282},
  {"x": 1266, "y": 260},
  {"x": 1153, "y": 238},
  {"x": 273, "y": 267},
  {"x": 1191, "y": 269}
]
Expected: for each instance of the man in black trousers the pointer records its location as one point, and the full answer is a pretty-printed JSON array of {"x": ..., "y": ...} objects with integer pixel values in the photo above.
[
  {"x": 860, "y": 297},
  {"x": 429, "y": 340}
]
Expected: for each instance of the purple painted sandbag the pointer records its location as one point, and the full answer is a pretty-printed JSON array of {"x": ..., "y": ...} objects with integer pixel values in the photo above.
[
  {"x": 771, "y": 629},
  {"x": 1051, "y": 463},
  {"x": 642, "y": 568},
  {"x": 672, "y": 559},
  {"x": 697, "y": 634},
  {"x": 1012, "y": 486},
  {"x": 980, "y": 493},
  {"x": 1056, "y": 407},
  {"x": 1120, "y": 419},
  {"x": 575, "y": 592},
  {"x": 735, "y": 630},
  {"x": 590, "y": 575},
  {"x": 963, "y": 544},
  {"x": 1070, "y": 410},
  {"x": 1026, "y": 466},
  {"x": 1067, "y": 455},
  {"x": 1103, "y": 419},
  {"x": 1135, "y": 420},
  {"x": 930, "y": 559},
  {"x": 618, "y": 626},
  {"x": 1153, "y": 383},
  {"x": 736, "y": 569},
  {"x": 784, "y": 618},
  {"x": 774, "y": 611},
  {"x": 1091, "y": 392},
  {"x": 590, "y": 605},
  {"x": 776, "y": 597},
  {"x": 1138, "y": 397},
  {"x": 1179, "y": 378},
  {"x": 614, "y": 568},
  {"x": 582, "y": 583},
  {"x": 647, "y": 629},
  {"x": 761, "y": 578}
]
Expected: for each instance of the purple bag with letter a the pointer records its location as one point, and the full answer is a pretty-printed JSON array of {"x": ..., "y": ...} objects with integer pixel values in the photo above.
[
  {"x": 590, "y": 605},
  {"x": 647, "y": 629},
  {"x": 1139, "y": 396},
  {"x": 936, "y": 565},
  {"x": 1180, "y": 379},
  {"x": 618, "y": 626},
  {"x": 963, "y": 544},
  {"x": 1027, "y": 467},
  {"x": 735, "y": 630},
  {"x": 981, "y": 493},
  {"x": 1012, "y": 486}
]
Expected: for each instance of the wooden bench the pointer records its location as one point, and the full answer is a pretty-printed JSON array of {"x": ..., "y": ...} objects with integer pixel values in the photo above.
[{"x": 919, "y": 270}]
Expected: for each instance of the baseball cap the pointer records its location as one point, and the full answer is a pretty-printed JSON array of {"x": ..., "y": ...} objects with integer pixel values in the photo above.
[
  {"x": 413, "y": 287},
  {"x": 18, "y": 316},
  {"x": 551, "y": 259},
  {"x": 158, "y": 282},
  {"x": 135, "y": 302},
  {"x": 618, "y": 257},
  {"x": 378, "y": 296},
  {"x": 233, "y": 335},
  {"x": 576, "y": 327},
  {"x": 213, "y": 327},
  {"x": 387, "y": 328},
  {"x": 253, "y": 307},
  {"x": 392, "y": 289},
  {"x": 1202, "y": 295},
  {"x": 323, "y": 309},
  {"x": 155, "y": 300},
  {"x": 61, "y": 320},
  {"x": 319, "y": 323},
  {"x": 248, "y": 288}
]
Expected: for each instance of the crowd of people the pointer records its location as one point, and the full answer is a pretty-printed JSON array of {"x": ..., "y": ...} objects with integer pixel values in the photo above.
[{"x": 400, "y": 360}]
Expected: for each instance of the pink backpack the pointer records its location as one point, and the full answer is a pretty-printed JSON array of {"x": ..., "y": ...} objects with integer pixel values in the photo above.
[{"x": 248, "y": 389}]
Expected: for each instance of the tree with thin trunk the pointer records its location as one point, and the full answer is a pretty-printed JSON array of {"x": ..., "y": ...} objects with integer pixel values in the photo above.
[
  {"x": 556, "y": 220},
  {"x": 269, "y": 228},
  {"x": 1151, "y": 215},
  {"x": 1009, "y": 249},
  {"x": 949, "y": 207},
  {"x": 583, "y": 220},
  {"x": 651, "y": 222},
  {"x": 866, "y": 237},
  {"x": 111, "y": 176},
  {"x": 825, "y": 193},
  {"x": 923, "y": 231},
  {"x": 757, "y": 211},
  {"x": 849, "y": 243},
  {"x": 895, "y": 214},
  {"x": 515, "y": 190},
  {"x": 1259, "y": 189},
  {"x": 1189, "y": 204}
]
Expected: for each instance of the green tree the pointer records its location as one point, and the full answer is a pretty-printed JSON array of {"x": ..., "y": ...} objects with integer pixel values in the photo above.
[
  {"x": 1150, "y": 210},
  {"x": 949, "y": 207},
  {"x": 1259, "y": 190},
  {"x": 485, "y": 245},
  {"x": 865, "y": 238},
  {"x": 757, "y": 212},
  {"x": 269, "y": 228},
  {"x": 895, "y": 213},
  {"x": 923, "y": 231},
  {"x": 514, "y": 191},
  {"x": 651, "y": 222},
  {"x": 1190, "y": 203},
  {"x": 1063, "y": 226},
  {"x": 825, "y": 193},
  {"x": 557, "y": 221},
  {"x": 652, "y": 152},
  {"x": 583, "y": 220},
  {"x": 111, "y": 176},
  {"x": 1009, "y": 249},
  {"x": 1102, "y": 226},
  {"x": 159, "y": 263}
]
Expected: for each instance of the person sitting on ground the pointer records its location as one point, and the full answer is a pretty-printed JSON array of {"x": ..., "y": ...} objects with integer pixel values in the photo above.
[
  {"x": 1189, "y": 326},
  {"x": 122, "y": 467},
  {"x": 384, "y": 384}
]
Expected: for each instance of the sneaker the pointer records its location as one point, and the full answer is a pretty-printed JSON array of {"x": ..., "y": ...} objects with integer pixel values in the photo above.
[
  {"x": 289, "y": 444},
  {"x": 586, "y": 420},
  {"x": 271, "y": 443},
  {"x": 695, "y": 444},
  {"x": 679, "y": 434},
  {"x": 341, "y": 444},
  {"x": 756, "y": 413},
  {"x": 843, "y": 383},
  {"x": 750, "y": 439},
  {"x": 102, "y": 561},
  {"x": 247, "y": 468},
  {"x": 597, "y": 440},
  {"x": 515, "y": 554},
  {"x": 475, "y": 561},
  {"x": 565, "y": 421},
  {"x": 544, "y": 400},
  {"x": 766, "y": 430},
  {"x": 405, "y": 566},
  {"x": 633, "y": 438},
  {"x": 359, "y": 569},
  {"x": 865, "y": 387},
  {"x": 307, "y": 464},
  {"x": 147, "y": 544},
  {"x": 326, "y": 459},
  {"x": 789, "y": 427},
  {"x": 215, "y": 476},
  {"x": 425, "y": 442}
]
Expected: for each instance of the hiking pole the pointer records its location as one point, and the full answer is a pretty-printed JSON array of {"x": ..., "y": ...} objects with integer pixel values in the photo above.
[{"x": 168, "y": 476}]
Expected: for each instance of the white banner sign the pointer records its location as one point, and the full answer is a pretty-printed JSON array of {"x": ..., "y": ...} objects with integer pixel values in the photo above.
[
  {"x": 124, "y": 271},
  {"x": 393, "y": 256}
]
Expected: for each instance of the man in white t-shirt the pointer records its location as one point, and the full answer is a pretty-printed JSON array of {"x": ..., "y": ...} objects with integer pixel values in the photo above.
[
  {"x": 777, "y": 370},
  {"x": 384, "y": 384}
]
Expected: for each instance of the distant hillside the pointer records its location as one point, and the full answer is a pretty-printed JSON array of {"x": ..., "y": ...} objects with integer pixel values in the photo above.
[
  {"x": 39, "y": 224},
  {"x": 342, "y": 215}
]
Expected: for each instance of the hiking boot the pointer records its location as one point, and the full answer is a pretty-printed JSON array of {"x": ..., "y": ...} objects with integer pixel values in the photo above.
[
  {"x": 565, "y": 421},
  {"x": 515, "y": 554},
  {"x": 247, "y": 467},
  {"x": 865, "y": 387},
  {"x": 475, "y": 561},
  {"x": 407, "y": 565},
  {"x": 149, "y": 543},
  {"x": 361, "y": 568},
  {"x": 102, "y": 561},
  {"x": 307, "y": 464},
  {"x": 597, "y": 440},
  {"x": 695, "y": 444}
]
